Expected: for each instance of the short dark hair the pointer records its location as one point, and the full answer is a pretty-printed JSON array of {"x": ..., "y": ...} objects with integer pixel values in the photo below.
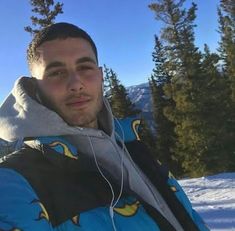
[{"x": 60, "y": 30}]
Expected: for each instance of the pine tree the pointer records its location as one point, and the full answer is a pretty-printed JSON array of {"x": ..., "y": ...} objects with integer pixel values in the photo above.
[
  {"x": 184, "y": 67},
  {"x": 47, "y": 10},
  {"x": 117, "y": 95},
  {"x": 202, "y": 111},
  {"x": 226, "y": 13},
  {"x": 216, "y": 115},
  {"x": 165, "y": 135},
  {"x": 179, "y": 35}
]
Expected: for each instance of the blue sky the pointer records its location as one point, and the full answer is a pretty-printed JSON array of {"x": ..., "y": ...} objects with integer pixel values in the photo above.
[{"x": 123, "y": 32}]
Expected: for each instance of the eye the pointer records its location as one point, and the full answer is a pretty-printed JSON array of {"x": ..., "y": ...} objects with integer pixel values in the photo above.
[
  {"x": 57, "y": 74},
  {"x": 84, "y": 68}
]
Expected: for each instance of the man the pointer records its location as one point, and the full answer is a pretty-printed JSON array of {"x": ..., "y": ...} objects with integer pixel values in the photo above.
[{"x": 79, "y": 168}]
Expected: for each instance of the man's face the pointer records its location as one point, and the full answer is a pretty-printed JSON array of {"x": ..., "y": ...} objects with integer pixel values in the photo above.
[{"x": 69, "y": 80}]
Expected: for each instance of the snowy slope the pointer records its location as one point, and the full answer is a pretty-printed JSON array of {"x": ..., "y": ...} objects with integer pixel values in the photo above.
[{"x": 214, "y": 198}]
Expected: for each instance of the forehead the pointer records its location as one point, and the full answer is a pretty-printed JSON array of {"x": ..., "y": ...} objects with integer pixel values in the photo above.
[{"x": 68, "y": 48}]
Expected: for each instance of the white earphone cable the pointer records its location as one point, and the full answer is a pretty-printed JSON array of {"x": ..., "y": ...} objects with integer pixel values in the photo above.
[
  {"x": 110, "y": 186},
  {"x": 113, "y": 203}
]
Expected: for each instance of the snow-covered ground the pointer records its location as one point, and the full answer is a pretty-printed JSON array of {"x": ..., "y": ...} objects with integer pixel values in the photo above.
[{"x": 214, "y": 198}]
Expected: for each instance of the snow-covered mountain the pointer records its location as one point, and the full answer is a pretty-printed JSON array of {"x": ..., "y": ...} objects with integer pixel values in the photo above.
[
  {"x": 140, "y": 95},
  {"x": 213, "y": 197}
]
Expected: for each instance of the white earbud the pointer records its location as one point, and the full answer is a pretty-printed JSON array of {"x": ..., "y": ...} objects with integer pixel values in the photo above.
[{"x": 102, "y": 86}]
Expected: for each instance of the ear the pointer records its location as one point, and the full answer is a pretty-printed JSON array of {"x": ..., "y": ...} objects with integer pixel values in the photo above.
[{"x": 101, "y": 73}]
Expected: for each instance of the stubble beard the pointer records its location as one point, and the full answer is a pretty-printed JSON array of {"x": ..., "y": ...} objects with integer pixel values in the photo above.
[
  {"x": 78, "y": 119},
  {"x": 84, "y": 118}
]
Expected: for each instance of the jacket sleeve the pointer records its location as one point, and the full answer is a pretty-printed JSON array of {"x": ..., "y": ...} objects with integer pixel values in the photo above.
[{"x": 20, "y": 209}]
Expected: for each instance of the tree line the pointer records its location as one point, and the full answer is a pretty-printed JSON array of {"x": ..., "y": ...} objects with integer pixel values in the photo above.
[{"x": 193, "y": 91}]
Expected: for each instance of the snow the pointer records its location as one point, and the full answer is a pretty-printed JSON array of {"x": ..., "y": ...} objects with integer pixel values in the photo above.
[{"x": 213, "y": 197}]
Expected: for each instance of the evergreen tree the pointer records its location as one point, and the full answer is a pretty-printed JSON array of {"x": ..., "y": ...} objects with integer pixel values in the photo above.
[
  {"x": 185, "y": 86},
  {"x": 178, "y": 34},
  {"x": 165, "y": 135},
  {"x": 183, "y": 67},
  {"x": 117, "y": 95},
  {"x": 47, "y": 10},
  {"x": 226, "y": 14},
  {"x": 216, "y": 115},
  {"x": 201, "y": 111}
]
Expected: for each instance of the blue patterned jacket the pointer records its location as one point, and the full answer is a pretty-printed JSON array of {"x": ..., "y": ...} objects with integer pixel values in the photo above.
[{"x": 53, "y": 188}]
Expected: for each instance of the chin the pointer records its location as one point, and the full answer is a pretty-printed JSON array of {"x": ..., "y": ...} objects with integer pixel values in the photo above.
[
  {"x": 74, "y": 123},
  {"x": 86, "y": 123}
]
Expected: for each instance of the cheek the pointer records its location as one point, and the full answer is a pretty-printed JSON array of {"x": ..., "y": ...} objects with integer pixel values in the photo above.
[
  {"x": 52, "y": 94},
  {"x": 51, "y": 88},
  {"x": 97, "y": 91},
  {"x": 93, "y": 85}
]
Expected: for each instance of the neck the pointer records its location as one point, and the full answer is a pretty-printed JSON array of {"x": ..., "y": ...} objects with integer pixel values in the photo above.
[{"x": 92, "y": 124}]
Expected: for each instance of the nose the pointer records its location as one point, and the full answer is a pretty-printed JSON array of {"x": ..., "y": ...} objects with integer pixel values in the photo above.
[{"x": 75, "y": 82}]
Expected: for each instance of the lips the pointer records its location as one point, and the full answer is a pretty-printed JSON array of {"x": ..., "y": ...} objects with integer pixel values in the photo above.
[{"x": 78, "y": 103}]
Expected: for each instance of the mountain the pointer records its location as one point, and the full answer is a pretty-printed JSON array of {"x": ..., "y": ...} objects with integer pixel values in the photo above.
[{"x": 140, "y": 95}]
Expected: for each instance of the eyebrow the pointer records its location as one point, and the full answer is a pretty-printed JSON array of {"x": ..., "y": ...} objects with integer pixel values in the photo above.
[
  {"x": 85, "y": 59},
  {"x": 61, "y": 64},
  {"x": 54, "y": 64}
]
